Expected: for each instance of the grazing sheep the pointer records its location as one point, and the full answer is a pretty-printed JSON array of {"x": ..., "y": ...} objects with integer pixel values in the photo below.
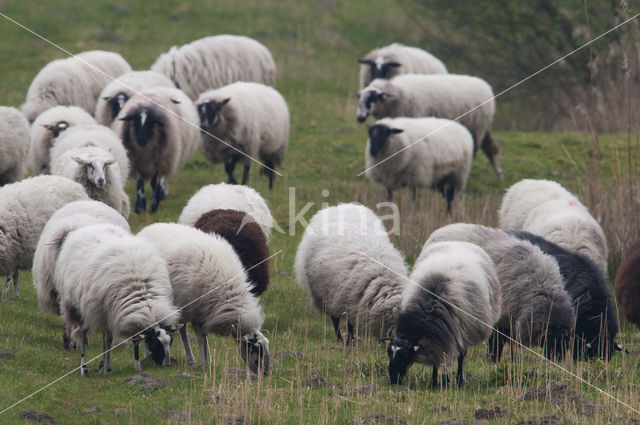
[
  {"x": 159, "y": 128},
  {"x": 247, "y": 239},
  {"x": 627, "y": 284},
  {"x": 350, "y": 268},
  {"x": 452, "y": 303},
  {"x": 70, "y": 217},
  {"x": 395, "y": 59},
  {"x": 47, "y": 127},
  {"x": 117, "y": 92},
  {"x": 244, "y": 122},
  {"x": 228, "y": 197},
  {"x": 596, "y": 324},
  {"x": 73, "y": 81},
  {"x": 536, "y": 308},
  {"x": 25, "y": 208},
  {"x": 441, "y": 158},
  {"x": 14, "y": 145},
  {"x": 466, "y": 99},
  {"x": 110, "y": 280},
  {"x": 215, "y": 61},
  {"x": 211, "y": 289}
]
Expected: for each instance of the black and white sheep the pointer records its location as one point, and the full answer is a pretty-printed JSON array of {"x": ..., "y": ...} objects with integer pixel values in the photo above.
[
  {"x": 160, "y": 130},
  {"x": 244, "y": 122},
  {"x": 117, "y": 92},
  {"x": 627, "y": 284},
  {"x": 394, "y": 59},
  {"x": 466, "y": 99},
  {"x": 596, "y": 323},
  {"x": 70, "y": 217},
  {"x": 211, "y": 289},
  {"x": 47, "y": 127},
  {"x": 14, "y": 145},
  {"x": 419, "y": 152},
  {"x": 536, "y": 308},
  {"x": 25, "y": 208},
  {"x": 73, "y": 81},
  {"x": 111, "y": 280},
  {"x": 215, "y": 61},
  {"x": 451, "y": 304},
  {"x": 350, "y": 268}
]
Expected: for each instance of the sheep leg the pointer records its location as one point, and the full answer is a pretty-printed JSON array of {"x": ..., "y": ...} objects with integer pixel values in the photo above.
[
  {"x": 187, "y": 347},
  {"x": 105, "y": 363},
  {"x": 491, "y": 149},
  {"x": 350, "y": 336},
  {"x": 336, "y": 327},
  {"x": 229, "y": 167},
  {"x": 84, "y": 369},
  {"x": 201, "y": 335},
  {"x": 460, "y": 374},
  {"x": 270, "y": 170},
  {"x": 12, "y": 276},
  {"x": 245, "y": 174},
  {"x": 414, "y": 193},
  {"x": 496, "y": 344},
  {"x": 449, "y": 198},
  {"x": 389, "y": 195},
  {"x": 159, "y": 192},
  {"x": 67, "y": 342},
  {"x": 434, "y": 377},
  {"x": 141, "y": 200},
  {"x": 136, "y": 355}
]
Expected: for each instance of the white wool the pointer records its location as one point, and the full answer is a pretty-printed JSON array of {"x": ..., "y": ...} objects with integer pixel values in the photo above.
[{"x": 14, "y": 145}]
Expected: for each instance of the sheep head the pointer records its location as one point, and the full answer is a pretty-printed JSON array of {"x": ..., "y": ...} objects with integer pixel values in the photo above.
[
  {"x": 254, "y": 350},
  {"x": 57, "y": 128},
  {"x": 380, "y": 67},
  {"x": 368, "y": 98},
  {"x": 157, "y": 342},
  {"x": 402, "y": 354},
  {"x": 116, "y": 103},
  {"x": 96, "y": 168},
  {"x": 209, "y": 112},
  {"x": 144, "y": 121},
  {"x": 378, "y": 136}
]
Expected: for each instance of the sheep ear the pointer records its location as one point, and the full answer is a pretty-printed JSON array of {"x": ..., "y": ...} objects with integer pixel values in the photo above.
[
  {"x": 619, "y": 347},
  {"x": 365, "y": 61},
  {"x": 78, "y": 159},
  {"x": 107, "y": 98},
  {"x": 224, "y": 102},
  {"x": 109, "y": 161},
  {"x": 358, "y": 94},
  {"x": 138, "y": 337},
  {"x": 393, "y": 64},
  {"x": 129, "y": 117},
  {"x": 177, "y": 102},
  {"x": 419, "y": 350},
  {"x": 49, "y": 127},
  {"x": 385, "y": 339},
  {"x": 385, "y": 96},
  {"x": 395, "y": 130}
]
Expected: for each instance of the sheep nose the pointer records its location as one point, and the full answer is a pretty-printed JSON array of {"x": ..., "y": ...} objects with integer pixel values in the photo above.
[
  {"x": 100, "y": 182},
  {"x": 361, "y": 118}
]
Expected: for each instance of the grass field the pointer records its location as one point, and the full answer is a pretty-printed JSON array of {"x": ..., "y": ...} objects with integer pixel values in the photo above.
[{"x": 314, "y": 379}]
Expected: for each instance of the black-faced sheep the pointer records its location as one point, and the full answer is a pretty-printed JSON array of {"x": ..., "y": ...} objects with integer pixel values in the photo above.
[{"x": 14, "y": 145}]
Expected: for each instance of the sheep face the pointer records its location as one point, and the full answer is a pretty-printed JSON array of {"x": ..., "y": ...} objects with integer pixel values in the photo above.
[
  {"x": 378, "y": 136},
  {"x": 144, "y": 123},
  {"x": 254, "y": 350},
  {"x": 379, "y": 67},
  {"x": 57, "y": 128},
  {"x": 96, "y": 168},
  {"x": 209, "y": 112},
  {"x": 402, "y": 354},
  {"x": 366, "y": 104},
  {"x": 157, "y": 341},
  {"x": 116, "y": 103}
]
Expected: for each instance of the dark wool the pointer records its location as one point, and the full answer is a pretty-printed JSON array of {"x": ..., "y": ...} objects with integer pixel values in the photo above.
[{"x": 627, "y": 284}]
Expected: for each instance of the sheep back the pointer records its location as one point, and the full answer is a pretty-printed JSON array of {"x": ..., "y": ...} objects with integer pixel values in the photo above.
[{"x": 14, "y": 145}]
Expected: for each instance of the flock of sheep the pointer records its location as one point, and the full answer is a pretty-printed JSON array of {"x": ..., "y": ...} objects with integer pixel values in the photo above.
[{"x": 542, "y": 283}]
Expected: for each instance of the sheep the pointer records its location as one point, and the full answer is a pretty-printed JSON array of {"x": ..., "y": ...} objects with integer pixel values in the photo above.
[
  {"x": 159, "y": 128},
  {"x": 111, "y": 280},
  {"x": 97, "y": 171},
  {"x": 463, "y": 98},
  {"x": 14, "y": 145},
  {"x": 25, "y": 208},
  {"x": 452, "y": 304},
  {"x": 627, "y": 285},
  {"x": 215, "y": 61},
  {"x": 395, "y": 59},
  {"x": 228, "y": 197},
  {"x": 76, "y": 80},
  {"x": 211, "y": 289},
  {"x": 441, "y": 159},
  {"x": 70, "y": 217},
  {"x": 350, "y": 268},
  {"x": 247, "y": 239},
  {"x": 243, "y": 122},
  {"x": 596, "y": 324},
  {"x": 47, "y": 127},
  {"x": 117, "y": 92},
  {"x": 536, "y": 308}
]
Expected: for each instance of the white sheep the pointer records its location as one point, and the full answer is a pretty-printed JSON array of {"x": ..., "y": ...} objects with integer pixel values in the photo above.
[
  {"x": 110, "y": 280},
  {"x": 117, "y": 92},
  {"x": 211, "y": 288},
  {"x": 47, "y": 127},
  {"x": 228, "y": 197},
  {"x": 25, "y": 208},
  {"x": 70, "y": 217},
  {"x": 215, "y": 61},
  {"x": 466, "y": 99},
  {"x": 350, "y": 268},
  {"x": 14, "y": 145},
  {"x": 419, "y": 152},
  {"x": 395, "y": 59},
  {"x": 244, "y": 122},
  {"x": 160, "y": 130},
  {"x": 451, "y": 304},
  {"x": 76, "y": 80}
]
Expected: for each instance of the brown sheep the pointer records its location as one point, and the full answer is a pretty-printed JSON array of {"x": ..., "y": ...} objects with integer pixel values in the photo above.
[{"x": 627, "y": 284}]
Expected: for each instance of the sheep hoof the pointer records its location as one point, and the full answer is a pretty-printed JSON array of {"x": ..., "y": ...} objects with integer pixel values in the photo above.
[{"x": 141, "y": 205}]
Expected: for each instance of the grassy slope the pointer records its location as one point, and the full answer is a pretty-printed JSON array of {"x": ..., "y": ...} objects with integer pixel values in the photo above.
[{"x": 315, "y": 45}]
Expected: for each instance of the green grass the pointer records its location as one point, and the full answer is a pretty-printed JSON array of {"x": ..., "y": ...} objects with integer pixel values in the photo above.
[{"x": 315, "y": 45}]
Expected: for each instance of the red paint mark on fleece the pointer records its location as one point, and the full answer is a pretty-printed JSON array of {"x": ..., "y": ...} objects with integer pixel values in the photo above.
[{"x": 114, "y": 232}]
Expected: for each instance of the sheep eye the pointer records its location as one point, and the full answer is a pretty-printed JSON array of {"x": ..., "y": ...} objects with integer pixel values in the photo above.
[{"x": 90, "y": 166}]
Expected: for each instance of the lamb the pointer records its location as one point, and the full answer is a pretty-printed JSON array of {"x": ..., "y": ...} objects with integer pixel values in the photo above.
[
  {"x": 228, "y": 197},
  {"x": 77, "y": 80},
  {"x": 596, "y": 324},
  {"x": 247, "y": 239},
  {"x": 159, "y": 128},
  {"x": 627, "y": 284},
  {"x": 14, "y": 145},
  {"x": 70, "y": 217},
  {"x": 110, "y": 280},
  {"x": 243, "y": 122},
  {"x": 440, "y": 160},
  {"x": 536, "y": 308},
  {"x": 452, "y": 304},
  {"x": 212, "y": 62},
  {"x": 468, "y": 100},
  {"x": 211, "y": 289},
  {"x": 25, "y": 208},
  {"x": 395, "y": 59},
  {"x": 117, "y": 92},
  {"x": 47, "y": 127},
  {"x": 350, "y": 268}
]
